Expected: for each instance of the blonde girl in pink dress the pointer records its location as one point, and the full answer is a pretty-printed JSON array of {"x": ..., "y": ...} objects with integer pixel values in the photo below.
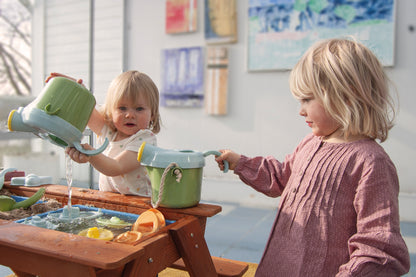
[{"x": 338, "y": 214}]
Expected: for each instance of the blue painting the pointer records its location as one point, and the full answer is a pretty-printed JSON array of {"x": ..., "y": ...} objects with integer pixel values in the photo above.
[
  {"x": 182, "y": 77},
  {"x": 280, "y": 31}
]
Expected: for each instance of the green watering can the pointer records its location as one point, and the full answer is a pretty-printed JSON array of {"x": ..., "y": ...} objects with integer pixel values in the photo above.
[
  {"x": 59, "y": 114},
  {"x": 176, "y": 176}
]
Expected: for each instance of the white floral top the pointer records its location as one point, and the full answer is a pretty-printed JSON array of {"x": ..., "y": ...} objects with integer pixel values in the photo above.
[{"x": 136, "y": 182}]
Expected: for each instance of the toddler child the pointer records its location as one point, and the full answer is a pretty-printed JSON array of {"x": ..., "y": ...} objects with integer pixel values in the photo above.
[
  {"x": 338, "y": 213},
  {"x": 129, "y": 116}
]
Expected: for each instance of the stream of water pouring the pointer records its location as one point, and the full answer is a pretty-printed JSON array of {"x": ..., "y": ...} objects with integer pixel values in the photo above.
[{"x": 68, "y": 170}]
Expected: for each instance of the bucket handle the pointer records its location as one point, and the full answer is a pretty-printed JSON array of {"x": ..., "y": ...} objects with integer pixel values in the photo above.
[
  {"x": 217, "y": 153},
  {"x": 81, "y": 149},
  {"x": 176, "y": 171}
]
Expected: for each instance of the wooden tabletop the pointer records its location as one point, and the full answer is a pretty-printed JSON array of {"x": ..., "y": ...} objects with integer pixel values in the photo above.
[{"x": 80, "y": 195}]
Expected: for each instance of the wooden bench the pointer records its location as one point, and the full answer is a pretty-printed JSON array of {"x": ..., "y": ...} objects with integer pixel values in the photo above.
[{"x": 224, "y": 267}]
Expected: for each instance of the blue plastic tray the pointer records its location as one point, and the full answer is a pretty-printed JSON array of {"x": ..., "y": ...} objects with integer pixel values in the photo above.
[
  {"x": 21, "y": 198},
  {"x": 121, "y": 215}
]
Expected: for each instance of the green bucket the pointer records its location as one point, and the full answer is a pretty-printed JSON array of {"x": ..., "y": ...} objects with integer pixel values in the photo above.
[
  {"x": 182, "y": 194},
  {"x": 176, "y": 176}
]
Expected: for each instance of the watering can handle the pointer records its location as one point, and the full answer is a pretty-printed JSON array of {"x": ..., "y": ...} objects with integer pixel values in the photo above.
[
  {"x": 3, "y": 174},
  {"x": 217, "y": 153},
  {"x": 81, "y": 149}
]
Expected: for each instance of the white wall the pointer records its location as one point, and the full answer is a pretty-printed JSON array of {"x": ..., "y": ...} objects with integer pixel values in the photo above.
[{"x": 263, "y": 117}]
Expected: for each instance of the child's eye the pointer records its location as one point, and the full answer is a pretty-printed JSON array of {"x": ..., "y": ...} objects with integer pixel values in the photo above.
[
  {"x": 139, "y": 109},
  {"x": 305, "y": 100},
  {"x": 122, "y": 108}
]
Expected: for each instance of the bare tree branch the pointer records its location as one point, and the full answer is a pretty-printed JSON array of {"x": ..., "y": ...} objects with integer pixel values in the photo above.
[
  {"x": 28, "y": 5},
  {"x": 15, "y": 29},
  {"x": 8, "y": 71},
  {"x": 17, "y": 54},
  {"x": 15, "y": 43}
]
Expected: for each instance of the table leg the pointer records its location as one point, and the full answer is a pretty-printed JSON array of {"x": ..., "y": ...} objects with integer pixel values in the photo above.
[{"x": 190, "y": 242}]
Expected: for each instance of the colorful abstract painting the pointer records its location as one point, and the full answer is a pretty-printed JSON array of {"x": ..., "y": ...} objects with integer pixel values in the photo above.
[
  {"x": 220, "y": 21},
  {"x": 181, "y": 16},
  {"x": 279, "y": 31},
  {"x": 182, "y": 77}
]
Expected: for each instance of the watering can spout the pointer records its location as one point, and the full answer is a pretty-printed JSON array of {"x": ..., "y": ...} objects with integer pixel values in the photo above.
[{"x": 15, "y": 122}]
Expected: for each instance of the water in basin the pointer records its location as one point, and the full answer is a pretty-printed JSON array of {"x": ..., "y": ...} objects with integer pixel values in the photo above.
[{"x": 81, "y": 217}]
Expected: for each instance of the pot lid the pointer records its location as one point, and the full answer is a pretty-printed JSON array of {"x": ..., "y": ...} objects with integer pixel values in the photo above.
[{"x": 153, "y": 156}]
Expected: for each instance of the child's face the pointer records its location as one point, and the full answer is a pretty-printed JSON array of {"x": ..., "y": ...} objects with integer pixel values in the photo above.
[
  {"x": 317, "y": 118},
  {"x": 129, "y": 117}
]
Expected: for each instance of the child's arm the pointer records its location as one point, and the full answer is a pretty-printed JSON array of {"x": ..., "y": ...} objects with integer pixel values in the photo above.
[
  {"x": 377, "y": 248},
  {"x": 125, "y": 162},
  {"x": 96, "y": 121},
  {"x": 266, "y": 175}
]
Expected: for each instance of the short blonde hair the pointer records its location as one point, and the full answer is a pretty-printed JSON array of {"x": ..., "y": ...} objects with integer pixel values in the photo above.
[
  {"x": 131, "y": 85},
  {"x": 350, "y": 82}
]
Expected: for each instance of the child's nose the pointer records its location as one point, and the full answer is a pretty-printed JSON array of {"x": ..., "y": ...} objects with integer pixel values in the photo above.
[
  {"x": 302, "y": 111},
  {"x": 130, "y": 113}
]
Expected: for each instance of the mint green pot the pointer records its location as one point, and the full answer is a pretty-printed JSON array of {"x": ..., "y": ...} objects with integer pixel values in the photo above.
[
  {"x": 183, "y": 174},
  {"x": 182, "y": 194}
]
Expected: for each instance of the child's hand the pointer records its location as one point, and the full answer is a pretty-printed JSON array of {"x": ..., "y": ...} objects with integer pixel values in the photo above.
[
  {"x": 231, "y": 157},
  {"x": 55, "y": 74},
  {"x": 77, "y": 156}
]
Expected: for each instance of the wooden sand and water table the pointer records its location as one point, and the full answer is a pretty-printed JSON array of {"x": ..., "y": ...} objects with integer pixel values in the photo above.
[
  {"x": 35, "y": 251},
  {"x": 60, "y": 114}
]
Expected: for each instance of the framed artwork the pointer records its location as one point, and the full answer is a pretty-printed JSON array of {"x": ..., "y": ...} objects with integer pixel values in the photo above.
[
  {"x": 180, "y": 16},
  {"x": 280, "y": 31},
  {"x": 182, "y": 77},
  {"x": 220, "y": 18},
  {"x": 216, "y": 82}
]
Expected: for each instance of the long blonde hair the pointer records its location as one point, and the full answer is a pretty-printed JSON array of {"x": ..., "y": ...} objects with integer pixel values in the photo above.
[
  {"x": 350, "y": 82},
  {"x": 131, "y": 85}
]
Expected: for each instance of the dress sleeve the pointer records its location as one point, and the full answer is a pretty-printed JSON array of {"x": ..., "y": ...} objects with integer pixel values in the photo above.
[
  {"x": 265, "y": 174},
  {"x": 377, "y": 248},
  {"x": 268, "y": 175}
]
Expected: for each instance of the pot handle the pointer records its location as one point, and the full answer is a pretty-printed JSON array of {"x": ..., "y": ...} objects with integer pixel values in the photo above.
[
  {"x": 217, "y": 153},
  {"x": 176, "y": 171}
]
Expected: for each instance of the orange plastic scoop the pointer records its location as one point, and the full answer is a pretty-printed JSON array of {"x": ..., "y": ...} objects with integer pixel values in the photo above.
[{"x": 149, "y": 222}]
